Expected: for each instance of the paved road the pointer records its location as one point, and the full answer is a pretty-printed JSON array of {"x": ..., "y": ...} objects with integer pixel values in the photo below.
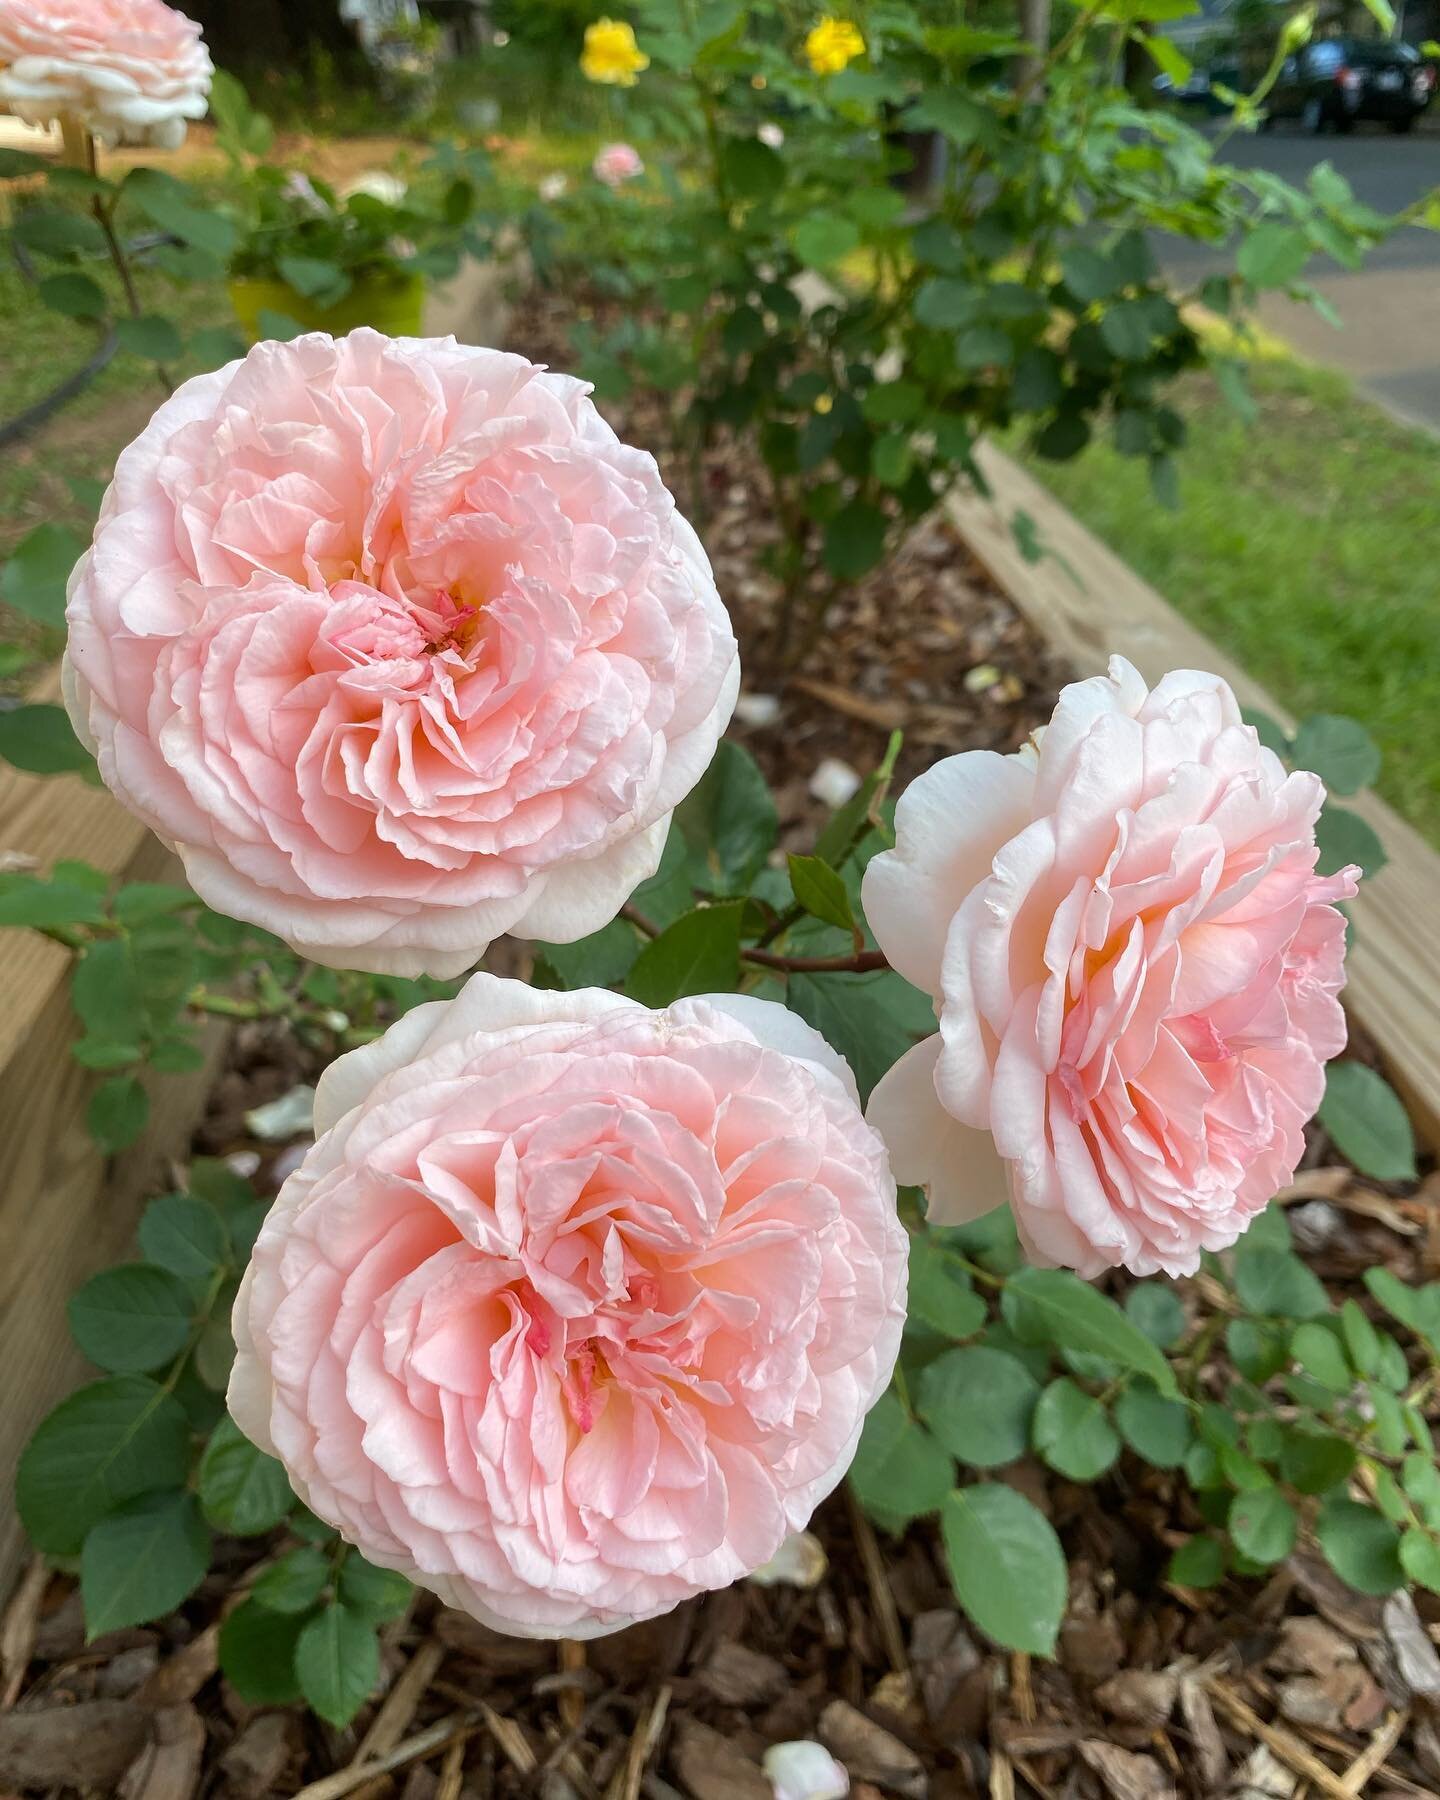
[{"x": 1389, "y": 341}]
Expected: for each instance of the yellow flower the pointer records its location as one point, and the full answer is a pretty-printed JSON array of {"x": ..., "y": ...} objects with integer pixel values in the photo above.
[
  {"x": 823, "y": 403},
  {"x": 611, "y": 54},
  {"x": 832, "y": 44}
]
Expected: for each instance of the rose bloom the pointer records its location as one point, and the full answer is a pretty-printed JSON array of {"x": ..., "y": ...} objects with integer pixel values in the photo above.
[
  {"x": 611, "y": 55},
  {"x": 129, "y": 71},
  {"x": 1135, "y": 968},
  {"x": 575, "y": 1309},
  {"x": 617, "y": 163},
  {"x": 832, "y": 44},
  {"x": 400, "y": 647}
]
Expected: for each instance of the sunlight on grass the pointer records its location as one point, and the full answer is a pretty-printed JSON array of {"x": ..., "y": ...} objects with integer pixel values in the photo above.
[{"x": 1305, "y": 547}]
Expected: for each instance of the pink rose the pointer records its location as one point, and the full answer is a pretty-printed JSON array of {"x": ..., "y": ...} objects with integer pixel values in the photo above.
[
  {"x": 1134, "y": 965},
  {"x": 130, "y": 71},
  {"x": 400, "y": 647},
  {"x": 575, "y": 1309},
  {"x": 617, "y": 163}
]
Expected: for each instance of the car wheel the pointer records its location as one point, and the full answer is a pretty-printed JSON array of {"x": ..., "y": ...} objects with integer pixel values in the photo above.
[{"x": 1313, "y": 117}]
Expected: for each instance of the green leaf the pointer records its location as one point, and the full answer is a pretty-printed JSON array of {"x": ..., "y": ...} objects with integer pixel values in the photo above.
[
  {"x": 1420, "y": 1558},
  {"x": 855, "y": 541},
  {"x": 152, "y": 337},
  {"x": 375, "y": 1594},
  {"x": 1006, "y": 1566},
  {"x": 243, "y": 1490},
  {"x": 1263, "y": 1525},
  {"x": 1126, "y": 331},
  {"x": 1345, "y": 838},
  {"x": 1360, "y": 1546},
  {"x": 1154, "y": 1427},
  {"x": 824, "y": 238},
  {"x": 870, "y": 1019},
  {"x": 117, "y": 1113},
  {"x": 729, "y": 821},
  {"x": 1276, "y": 1283},
  {"x": 821, "y": 891},
  {"x": 74, "y": 296},
  {"x": 1314, "y": 1461},
  {"x": 141, "y": 1561},
  {"x": 698, "y": 954},
  {"x": 1317, "y": 1350},
  {"x": 940, "y": 1294},
  {"x": 1072, "y": 1432},
  {"x": 184, "y": 1234},
  {"x": 1156, "y": 1310},
  {"x": 1368, "y": 1122},
  {"x": 337, "y": 1659},
  {"x": 849, "y": 823},
  {"x": 40, "y": 903},
  {"x": 1054, "y": 1306},
  {"x": 1361, "y": 1338},
  {"x": 131, "y": 1319},
  {"x": 216, "y": 345},
  {"x": 979, "y": 1403},
  {"x": 41, "y": 741},
  {"x": 17, "y": 163},
  {"x": 138, "y": 902},
  {"x": 1273, "y": 255},
  {"x": 1089, "y": 274},
  {"x": 945, "y": 303},
  {"x": 257, "y": 1654},
  {"x": 899, "y": 1472},
  {"x": 1339, "y": 750},
  {"x": 104, "y": 1445},
  {"x": 325, "y": 282},
  {"x": 172, "y": 206},
  {"x": 1169, "y": 58},
  {"x": 600, "y": 960},
  {"x": 1198, "y": 1563},
  {"x": 1419, "y": 1308},
  {"x": 295, "y": 1583},
  {"x": 894, "y": 403},
  {"x": 39, "y": 567},
  {"x": 50, "y": 232},
  {"x": 751, "y": 169}
]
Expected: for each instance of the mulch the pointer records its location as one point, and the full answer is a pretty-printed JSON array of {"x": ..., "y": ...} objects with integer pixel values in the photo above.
[{"x": 1288, "y": 1690}]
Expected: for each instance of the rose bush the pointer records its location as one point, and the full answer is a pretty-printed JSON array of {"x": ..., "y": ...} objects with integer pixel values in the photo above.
[
  {"x": 1135, "y": 968},
  {"x": 575, "y": 1308},
  {"x": 400, "y": 647},
  {"x": 128, "y": 71}
]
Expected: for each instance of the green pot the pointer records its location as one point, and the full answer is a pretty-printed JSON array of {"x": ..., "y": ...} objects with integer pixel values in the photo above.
[{"x": 394, "y": 304}]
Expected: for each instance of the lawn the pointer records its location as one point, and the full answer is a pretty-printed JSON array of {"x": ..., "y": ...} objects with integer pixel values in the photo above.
[{"x": 1304, "y": 546}]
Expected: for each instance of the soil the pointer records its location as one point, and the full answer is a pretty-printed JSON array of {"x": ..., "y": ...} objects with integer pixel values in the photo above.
[{"x": 1289, "y": 1690}]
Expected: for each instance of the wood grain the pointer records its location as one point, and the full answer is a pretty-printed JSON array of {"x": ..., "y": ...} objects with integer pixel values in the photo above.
[
  {"x": 1088, "y": 603},
  {"x": 63, "y": 1213}
]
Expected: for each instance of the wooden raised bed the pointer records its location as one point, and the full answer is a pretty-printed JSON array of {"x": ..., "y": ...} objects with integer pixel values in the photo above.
[{"x": 1088, "y": 604}]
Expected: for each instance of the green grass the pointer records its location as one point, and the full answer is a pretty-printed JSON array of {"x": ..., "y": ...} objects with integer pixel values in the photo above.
[{"x": 1305, "y": 545}]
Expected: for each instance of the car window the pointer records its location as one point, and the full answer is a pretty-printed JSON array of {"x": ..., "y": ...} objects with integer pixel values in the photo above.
[
  {"x": 1324, "y": 59},
  {"x": 1367, "y": 55}
]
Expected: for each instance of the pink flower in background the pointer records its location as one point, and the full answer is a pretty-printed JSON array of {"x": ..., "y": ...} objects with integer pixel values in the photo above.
[
  {"x": 130, "y": 71},
  {"x": 617, "y": 163},
  {"x": 1135, "y": 968},
  {"x": 400, "y": 647},
  {"x": 575, "y": 1309}
]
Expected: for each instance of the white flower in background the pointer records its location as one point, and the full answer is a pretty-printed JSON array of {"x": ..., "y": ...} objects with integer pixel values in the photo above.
[
  {"x": 799, "y": 1562},
  {"x": 834, "y": 782},
  {"x": 129, "y": 71},
  {"x": 805, "y": 1770},
  {"x": 380, "y": 185},
  {"x": 302, "y": 189},
  {"x": 771, "y": 134},
  {"x": 552, "y": 186}
]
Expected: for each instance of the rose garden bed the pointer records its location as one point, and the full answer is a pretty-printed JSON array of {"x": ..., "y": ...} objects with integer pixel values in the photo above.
[{"x": 1289, "y": 1685}]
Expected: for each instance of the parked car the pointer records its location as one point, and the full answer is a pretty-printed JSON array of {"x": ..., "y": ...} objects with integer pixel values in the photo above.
[{"x": 1332, "y": 83}]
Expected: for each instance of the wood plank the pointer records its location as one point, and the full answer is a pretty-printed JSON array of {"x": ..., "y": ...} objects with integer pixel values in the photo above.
[
  {"x": 1088, "y": 603},
  {"x": 63, "y": 1212}
]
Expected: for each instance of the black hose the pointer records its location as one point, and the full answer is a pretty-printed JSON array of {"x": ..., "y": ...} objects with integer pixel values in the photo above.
[{"x": 23, "y": 423}]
